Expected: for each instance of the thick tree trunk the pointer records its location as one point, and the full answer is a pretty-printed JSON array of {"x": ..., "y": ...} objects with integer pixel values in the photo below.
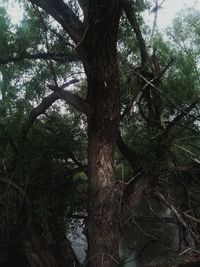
[{"x": 103, "y": 97}]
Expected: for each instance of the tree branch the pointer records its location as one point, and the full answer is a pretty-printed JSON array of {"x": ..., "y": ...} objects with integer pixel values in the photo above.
[
  {"x": 64, "y": 15},
  {"x": 131, "y": 16},
  {"x": 173, "y": 209},
  {"x": 61, "y": 57},
  {"x": 179, "y": 117},
  {"x": 151, "y": 83},
  {"x": 138, "y": 187},
  {"x": 70, "y": 98},
  {"x": 128, "y": 154},
  {"x": 84, "y": 4},
  {"x": 40, "y": 109},
  {"x": 134, "y": 191}
]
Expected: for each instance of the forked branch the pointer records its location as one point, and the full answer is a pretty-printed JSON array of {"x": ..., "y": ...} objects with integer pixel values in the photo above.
[{"x": 58, "y": 93}]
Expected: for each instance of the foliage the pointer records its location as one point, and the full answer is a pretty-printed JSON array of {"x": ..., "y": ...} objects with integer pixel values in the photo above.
[{"x": 50, "y": 165}]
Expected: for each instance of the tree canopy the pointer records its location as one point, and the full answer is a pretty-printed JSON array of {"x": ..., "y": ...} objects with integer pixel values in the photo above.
[{"x": 99, "y": 112}]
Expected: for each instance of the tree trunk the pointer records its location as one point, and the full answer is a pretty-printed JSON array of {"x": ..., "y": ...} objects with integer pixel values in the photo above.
[
  {"x": 104, "y": 207},
  {"x": 103, "y": 97}
]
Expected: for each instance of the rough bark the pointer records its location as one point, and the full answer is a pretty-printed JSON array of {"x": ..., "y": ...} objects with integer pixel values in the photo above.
[{"x": 103, "y": 97}]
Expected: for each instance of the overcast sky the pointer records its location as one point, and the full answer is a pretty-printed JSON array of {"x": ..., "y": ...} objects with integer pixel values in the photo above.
[
  {"x": 171, "y": 7},
  {"x": 165, "y": 16}
]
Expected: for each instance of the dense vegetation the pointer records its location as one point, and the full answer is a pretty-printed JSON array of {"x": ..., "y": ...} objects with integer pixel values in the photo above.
[{"x": 99, "y": 119}]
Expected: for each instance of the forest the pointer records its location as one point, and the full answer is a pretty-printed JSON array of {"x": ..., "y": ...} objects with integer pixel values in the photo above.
[{"x": 99, "y": 135}]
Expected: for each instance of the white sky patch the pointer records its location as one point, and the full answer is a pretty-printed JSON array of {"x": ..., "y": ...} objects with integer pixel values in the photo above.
[
  {"x": 15, "y": 12},
  {"x": 170, "y": 8}
]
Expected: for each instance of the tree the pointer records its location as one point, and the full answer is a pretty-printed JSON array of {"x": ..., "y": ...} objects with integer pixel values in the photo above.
[
  {"x": 96, "y": 42},
  {"x": 111, "y": 202}
]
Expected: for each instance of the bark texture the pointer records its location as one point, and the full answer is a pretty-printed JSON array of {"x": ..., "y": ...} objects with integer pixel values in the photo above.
[{"x": 103, "y": 97}]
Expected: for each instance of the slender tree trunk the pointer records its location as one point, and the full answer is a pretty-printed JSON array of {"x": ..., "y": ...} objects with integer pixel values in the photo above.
[{"x": 103, "y": 97}]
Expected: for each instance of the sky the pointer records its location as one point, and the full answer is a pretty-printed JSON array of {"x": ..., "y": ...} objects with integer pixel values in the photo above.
[
  {"x": 165, "y": 15},
  {"x": 171, "y": 7}
]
